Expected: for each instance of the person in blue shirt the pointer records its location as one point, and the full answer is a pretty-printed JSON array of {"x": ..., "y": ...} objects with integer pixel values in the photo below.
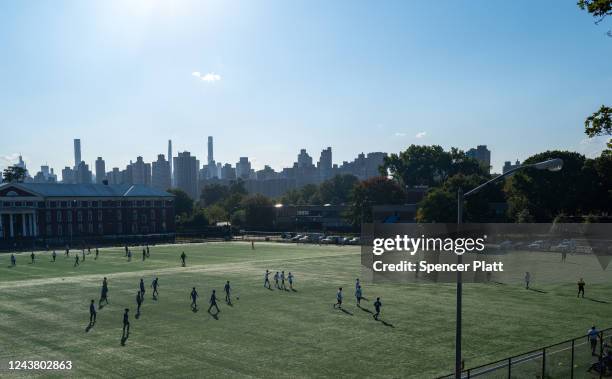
[
  {"x": 377, "y": 306},
  {"x": 139, "y": 296},
  {"x": 13, "y": 260},
  {"x": 213, "y": 302},
  {"x": 76, "y": 260},
  {"x": 183, "y": 257},
  {"x": 53, "y": 255},
  {"x": 142, "y": 287},
  {"x": 92, "y": 312},
  {"x": 290, "y": 278},
  {"x": 194, "y": 298},
  {"x": 97, "y": 252},
  {"x": 358, "y": 294},
  {"x": 282, "y": 277},
  {"x": 276, "y": 277},
  {"x": 593, "y": 335},
  {"x": 339, "y": 299}
]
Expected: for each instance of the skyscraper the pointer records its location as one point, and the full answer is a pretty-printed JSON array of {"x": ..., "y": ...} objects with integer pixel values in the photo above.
[
  {"x": 186, "y": 173},
  {"x": 325, "y": 164},
  {"x": 211, "y": 158},
  {"x": 243, "y": 168},
  {"x": 170, "y": 159},
  {"x": 161, "y": 173},
  {"x": 100, "y": 170},
  {"x": 482, "y": 155},
  {"x": 77, "y": 153}
]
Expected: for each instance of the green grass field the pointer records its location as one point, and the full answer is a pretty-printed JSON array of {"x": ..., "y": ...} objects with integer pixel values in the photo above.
[{"x": 272, "y": 333}]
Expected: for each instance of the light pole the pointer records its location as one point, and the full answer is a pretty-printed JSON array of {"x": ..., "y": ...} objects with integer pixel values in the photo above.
[{"x": 555, "y": 164}]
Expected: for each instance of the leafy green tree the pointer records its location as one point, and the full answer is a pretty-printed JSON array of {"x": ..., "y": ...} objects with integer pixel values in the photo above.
[
  {"x": 14, "y": 174},
  {"x": 600, "y": 122},
  {"x": 337, "y": 190},
  {"x": 259, "y": 211},
  {"x": 292, "y": 197},
  {"x": 216, "y": 213},
  {"x": 214, "y": 193},
  {"x": 546, "y": 194},
  {"x": 238, "y": 218},
  {"x": 439, "y": 205},
  {"x": 197, "y": 220},
  {"x": 183, "y": 204},
  {"x": 429, "y": 165},
  {"x": 374, "y": 191}
]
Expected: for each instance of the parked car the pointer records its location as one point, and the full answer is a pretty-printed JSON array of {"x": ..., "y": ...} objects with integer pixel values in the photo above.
[
  {"x": 354, "y": 241},
  {"x": 296, "y": 238},
  {"x": 328, "y": 240}
]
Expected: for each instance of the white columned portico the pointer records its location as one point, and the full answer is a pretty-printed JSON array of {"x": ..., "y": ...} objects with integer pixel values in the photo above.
[
  {"x": 11, "y": 225},
  {"x": 24, "y": 231},
  {"x": 35, "y": 224}
]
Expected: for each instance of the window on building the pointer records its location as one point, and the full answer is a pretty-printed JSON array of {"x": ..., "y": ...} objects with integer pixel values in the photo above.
[
  {"x": 152, "y": 214},
  {"x": 119, "y": 215},
  {"x": 144, "y": 218},
  {"x": 89, "y": 216},
  {"x": 80, "y": 216},
  {"x": 80, "y": 228},
  {"x": 100, "y": 228},
  {"x": 90, "y": 228},
  {"x": 49, "y": 231},
  {"x": 60, "y": 232},
  {"x": 58, "y": 216},
  {"x": 134, "y": 228},
  {"x": 99, "y": 215},
  {"x": 48, "y": 217},
  {"x": 135, "y": 214},
  {"x": 63, "y": 204},
  {"x": 69, "y": 216}
]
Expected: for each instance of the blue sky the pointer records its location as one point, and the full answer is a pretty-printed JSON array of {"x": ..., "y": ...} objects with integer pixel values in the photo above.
[{"x": 360, "y": 76}]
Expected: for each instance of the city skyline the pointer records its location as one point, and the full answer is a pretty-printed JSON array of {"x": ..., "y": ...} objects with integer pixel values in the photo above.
[{"x": 141, "y": 73}]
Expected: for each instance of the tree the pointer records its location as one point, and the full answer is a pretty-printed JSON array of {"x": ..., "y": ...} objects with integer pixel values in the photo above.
[
  {"x": 259, "y": 211},
  {"x": 546, "y": 194},
  {"x": 197, "y": 220},
  {"x": 439, "y": 205},
  {"x": 600, "y": 122},
  {"x": 374, "y": 191},
  {"x": 215, "y": 213},
  {"x": 429, "y": 165},
  {"x": 337, "y": 190},
  {"x": 14, "y": 174},
  {"x": 214, "y": 193},
  {"x": 183, "y": 204}
]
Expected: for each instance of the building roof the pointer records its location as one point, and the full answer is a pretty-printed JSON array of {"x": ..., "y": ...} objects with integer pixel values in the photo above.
[{"x": 89, "y": 190}]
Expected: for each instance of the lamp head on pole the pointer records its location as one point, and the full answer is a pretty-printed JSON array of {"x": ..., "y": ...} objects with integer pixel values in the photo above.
[{"x": 555, "y": 164}]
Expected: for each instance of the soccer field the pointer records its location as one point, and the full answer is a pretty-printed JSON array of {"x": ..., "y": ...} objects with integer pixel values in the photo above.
[{"x": 268, "y": 333}]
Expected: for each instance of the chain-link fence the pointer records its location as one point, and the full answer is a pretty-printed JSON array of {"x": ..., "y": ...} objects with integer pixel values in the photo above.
[{"x": 573, "y": 358}]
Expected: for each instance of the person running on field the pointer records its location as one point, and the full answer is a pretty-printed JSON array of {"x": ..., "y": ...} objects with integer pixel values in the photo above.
[
  {"x": 76, "y": 260},
  {"x": 53, "y": 255},
  {"x": 183, "y": 257},
  {"x": 267, "y": 279},
  {"x": 144, "y": 254},
  {"x": 358, "y": 295},
  {"x": 581, "y": 285},
  {"x": 148, "y": 253},
  {"x": 593, "y": 335},
  {"x": 213, "y": 302},
  {"x": 142, "y": 287},
  {"x": 282, "y": 277},
  {"x": 92, "y": 312},
  {"x": 527, "y": 279},
  {"x": 339, "y": 299},
  {"x": 97, "y": 252},
  {"x": 126, "y": 323},
  {"x": 13, "y": 260},
  {"x": 154, "y": 285},
  {"x": 32, "y": 256},
  {"x": 227, "y": 290},
  {"x": 377, "y": 306},
  {"x": 290, "y": 278},
  {"x": 139, "y": 296},
  {"x": 194, "y": 297}
]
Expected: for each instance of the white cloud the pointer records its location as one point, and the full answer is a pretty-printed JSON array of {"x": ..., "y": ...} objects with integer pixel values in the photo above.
[
  {"x": 209, "y": 77},
  {"x": 421, "y": 134},
  {"x": 400, "y": 134}
]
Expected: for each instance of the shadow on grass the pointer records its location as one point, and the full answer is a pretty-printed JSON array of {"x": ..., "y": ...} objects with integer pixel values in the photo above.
[
  {"x": 597, "y": 301},
  {"x": 214, "y": 315},
  {"x": 89, "y": 327},
  {"x": 124, "y": 338},
  {"x": 387, "y": 324},
  {"x": 536, "y": 290},
  {"x": 195, "y": 309},
  {"x": 364, "y": 309},
  {"x": 346, "y": 312},
  {"x": 293, "y": 290}
]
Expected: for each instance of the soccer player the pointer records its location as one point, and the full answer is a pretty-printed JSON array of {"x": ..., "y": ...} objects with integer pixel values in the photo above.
[
  {"x": 97, "y": 252},
  {"x": 282, "y": 277},
  {"x": 83, "y": 252},
  {"x": 126, "y": 323},
  {"x": 252, "y": 245},
  {"x": 142, "y": 287},
  {"x": 139, "y": 298},
  {"x": 154, "y": 285},
  {"x": 92, "y": 312},
  {"x": 338, "y": 299},
  {"x": 358, "y": 294},
  {"x": 527, "y": 279},
  {"x": 592, "y": 335},
  {"x": 290, "y": 278},
  {"x": 276, "y": 276},
  {"x": 227, "y": 290},
  {"x": 32, "y": 256},
  {"x": 103, "y": 296},
  {"x": 148, "y": 253},
  {"x": 194, "y": 297},
  {"x": 183, "y": 257},
  {"x": 67, "y": 251},
  {"x": 267, "y": 279},
  {"x": 581, "y": 287},
  {"x": 144, "y": 254},
  {"x": 357, "y": 284},
  {"x": 126, "y": 250},
  {"x": 13, "y": 260},
  {"x": 129, "y": 255},
  {"x": 377, "y": 305},
  {"x": 88, "y": 250},
  {"x": 76, "y": 260},
  {"x": 53, "y": 255},
  {"x": 213, "y": 302}
]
